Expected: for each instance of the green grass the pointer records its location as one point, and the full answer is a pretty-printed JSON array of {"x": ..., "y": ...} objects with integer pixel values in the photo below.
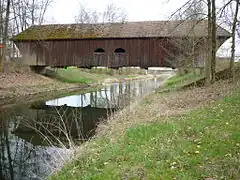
[
  {"x": 179, "y": 81},
  {"x": 85, "y": 76},
  {"x": 128, "y": 76},
  {"x": 75, "y": 75},
  {"x": 204, "y": 143}
]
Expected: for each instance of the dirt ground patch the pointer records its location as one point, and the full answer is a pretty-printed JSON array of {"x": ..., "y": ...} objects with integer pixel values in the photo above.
[
  {"x": 159, "y": 106},
  {"x": 9, "y": 80},
  {"x": 18, "y": 84}
]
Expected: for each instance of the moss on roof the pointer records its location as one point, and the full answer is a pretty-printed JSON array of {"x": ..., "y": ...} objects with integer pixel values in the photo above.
[
  {"x": 58, "y": 32},
  {"x": 117, "y": 30}
]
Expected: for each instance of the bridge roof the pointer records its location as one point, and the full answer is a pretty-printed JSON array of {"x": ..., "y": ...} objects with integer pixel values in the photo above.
[{"x": 144, "y": 29}]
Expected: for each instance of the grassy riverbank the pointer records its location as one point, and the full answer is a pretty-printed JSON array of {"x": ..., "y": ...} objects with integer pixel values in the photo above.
[
  {"x": 178, "y": 81},
  {"x": 20, "y": 82},
  {"x": 75, "y": 75},
  {"x": 85, "y": 76},
  {"x": 191, "y": 134}
]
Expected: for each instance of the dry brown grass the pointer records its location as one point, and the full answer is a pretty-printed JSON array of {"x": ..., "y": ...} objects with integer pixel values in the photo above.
[
  {"x": 202, "y": 144},
  {"x": 222, "y": 63},
  {"x": 163, "y": 105}
]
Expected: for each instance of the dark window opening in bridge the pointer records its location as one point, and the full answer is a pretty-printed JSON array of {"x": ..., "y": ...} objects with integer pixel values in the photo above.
[
  {"x": 99, "y": 58},
  {"x": 99, "y": 50},
  {"x": 120, "y": 50},
  {"x": 120, "y": 58}
]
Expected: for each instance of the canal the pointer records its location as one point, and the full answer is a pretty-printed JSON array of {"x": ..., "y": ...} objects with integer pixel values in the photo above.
[{"x": 37, "y": 138}]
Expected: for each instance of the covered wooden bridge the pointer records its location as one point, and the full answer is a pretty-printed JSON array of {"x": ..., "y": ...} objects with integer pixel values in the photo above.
[{"x": 114, "y": 45}]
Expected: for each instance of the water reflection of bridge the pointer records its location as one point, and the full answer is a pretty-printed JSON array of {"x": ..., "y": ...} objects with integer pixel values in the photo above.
[
  {"x": 24, "y": 153},
  {"x": 112, "y": 96},
  {"x": 81, "y": 113}
]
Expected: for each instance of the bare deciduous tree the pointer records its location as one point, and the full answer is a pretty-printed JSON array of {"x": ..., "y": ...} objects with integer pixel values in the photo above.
[
  {"x": 214, "y": 42},
  {"x": 18, "y": 15},
  {"x": 114, "y": 14},
  {"x": 4, "y": 30},
  {"x": 192, "y": 11},
  {"x": 111, "y": 14},
  {"x": 87, "y": 16},
  {"x": 209, "y": 46},
  {"x": 234, "y": 29},
  {"x": 230, "y": 15},
  {"x": 29, "y": 12},
  {"x": 211, "y": 41}
]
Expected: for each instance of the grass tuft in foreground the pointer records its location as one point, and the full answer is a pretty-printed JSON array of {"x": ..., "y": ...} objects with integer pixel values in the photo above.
[{"x": 202, "y": 144}]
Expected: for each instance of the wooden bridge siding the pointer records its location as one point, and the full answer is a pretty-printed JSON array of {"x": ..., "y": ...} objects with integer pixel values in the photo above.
[{"x": 139, "y": 52}]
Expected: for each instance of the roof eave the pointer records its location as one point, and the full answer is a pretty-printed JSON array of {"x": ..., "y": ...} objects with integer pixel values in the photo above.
[{"x": 15, "y": 39}]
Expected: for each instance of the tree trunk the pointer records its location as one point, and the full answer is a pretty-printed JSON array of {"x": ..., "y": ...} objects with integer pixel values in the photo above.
[
  {"x": 234, "y": 26},
  {"x": 33, "y": 6},
  {"x": 214, "y": 43},
  {"x": 15, "y": 16},
  {"x": 5, "y": 35},
  {"x": 1, "y": 18},
  {"x": 1, "y": 34},
  {"x": 194, "y": 67},
  {"x": 209, "y": 46}
]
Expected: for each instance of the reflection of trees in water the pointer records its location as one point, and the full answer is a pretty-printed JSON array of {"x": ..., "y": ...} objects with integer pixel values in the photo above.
[
  {"x": 121, "y": 94},
  {"x": 111, "y": 97},
  {"x": 61, "y": 126},
  {"x": 28, "y": 130},
  {"x": 20, "y": 159}
]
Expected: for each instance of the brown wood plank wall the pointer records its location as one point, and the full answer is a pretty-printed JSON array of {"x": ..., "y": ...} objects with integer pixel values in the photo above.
[{"x": 139, "y": 52}]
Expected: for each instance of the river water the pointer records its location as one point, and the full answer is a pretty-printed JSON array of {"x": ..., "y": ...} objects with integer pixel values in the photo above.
[{"x": 36, "y": 138}]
